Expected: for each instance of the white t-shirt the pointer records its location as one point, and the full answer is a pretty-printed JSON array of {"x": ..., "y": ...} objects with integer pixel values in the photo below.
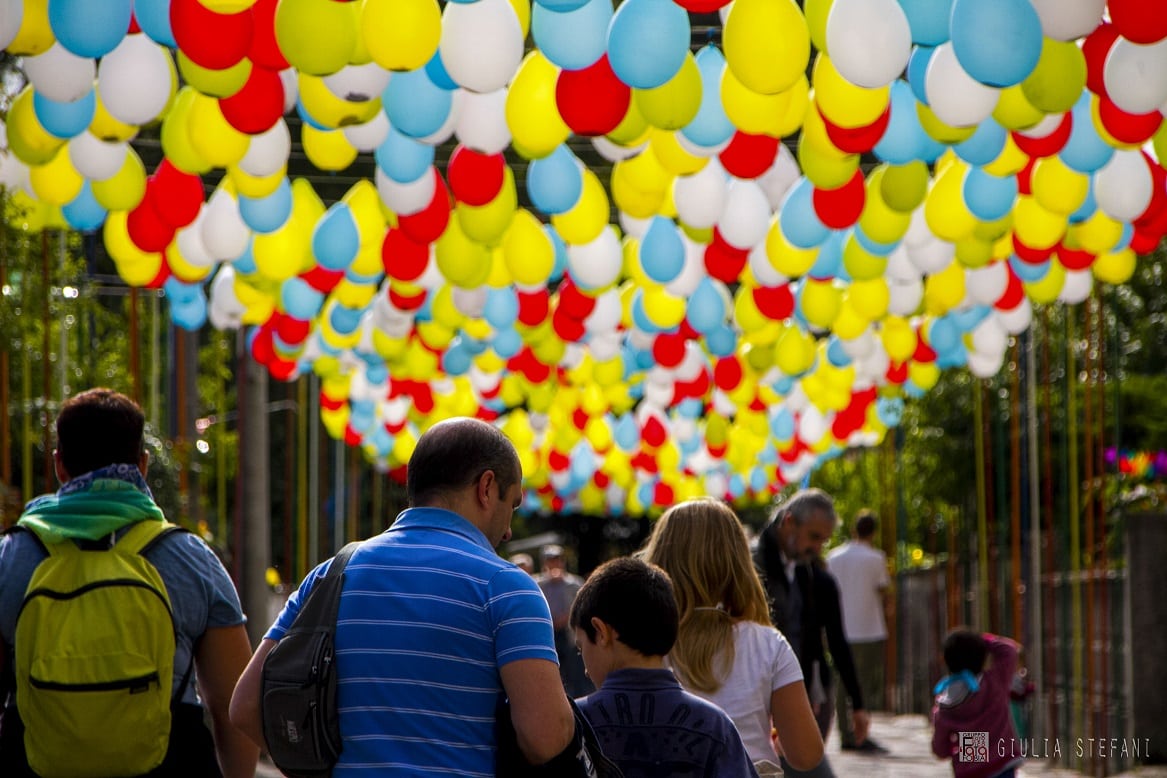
[
  {"x": 861, "y": 572},
  {"x": 763, "y": 662}
]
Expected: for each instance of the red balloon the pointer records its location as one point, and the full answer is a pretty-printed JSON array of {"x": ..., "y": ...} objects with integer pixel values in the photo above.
[
  {"x": 702, "y": 6},
  {"x": 668, "y": 350},
  {"x": 1074, "y": 259},
  {"x": 663, "y": 494},
  {"x": 723, "y": 261},
  {"x": 159, "y": 279},
  {"x": 258, "y": 104},
  {"x": 265, "y": 51},
  {"x": 179, "y": 195},
  {"x": 407, "y": 302},
  {"x": 857, "y": 140},
  {"x": 211, "y": 40},
  {"x": 292, "y": 330},
  {"x": 475, "y": 178},
  {"x": 285, "y": 370},
  {"x": 322, "y": 279},
  {"x": 592, "y": 101},
  {"x": 533, "y": 307},
  {"x": 653, "y": 432},
  {"x": 428, "y": 224},
  {"x": 1047, "y": 145},
  {"x": 146, "y": 228},
  {"x": 1095, "y": 47},
  {"x": 776, "y": 302},
  {"x": 1025, "y": 177},
  {"x": 568, "y": 329},
  {"x": 573, "y": 302},
  {"x": 1033, "y": 256},
  {"x": 262, "y": 348},
  {"x": 1139, "y": 21},
  {"x": 1158, "y": 202},
  {"x": 727, "y": 373},
  {"x": 403, "y": 258},
  {"x": 1013, "y": 295},
  {"x": 749, "y": 156},
  {"x": 840, "y": 208},
  {"x": 1127, "y": 127}
]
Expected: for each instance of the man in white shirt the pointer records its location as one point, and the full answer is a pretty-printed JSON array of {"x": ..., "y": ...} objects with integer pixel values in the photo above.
[{"x": 861, "y": 572}]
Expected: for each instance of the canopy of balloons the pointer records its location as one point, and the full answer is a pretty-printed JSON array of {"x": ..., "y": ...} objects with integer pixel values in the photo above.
[{"x": 753, "y": 311}]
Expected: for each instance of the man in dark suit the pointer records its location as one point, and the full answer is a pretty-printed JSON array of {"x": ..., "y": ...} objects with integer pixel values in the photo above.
[{"x": 804, "y": 600}]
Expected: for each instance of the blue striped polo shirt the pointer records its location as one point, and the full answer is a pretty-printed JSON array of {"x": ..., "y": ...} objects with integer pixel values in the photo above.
[{"x": 428, "y": 614}]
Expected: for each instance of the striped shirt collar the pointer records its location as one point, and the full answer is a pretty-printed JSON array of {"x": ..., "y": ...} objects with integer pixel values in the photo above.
[{"x": 441, "y": 519}]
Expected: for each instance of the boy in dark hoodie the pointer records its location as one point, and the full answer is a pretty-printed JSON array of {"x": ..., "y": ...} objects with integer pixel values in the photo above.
[{"x": 971, "y": 718}]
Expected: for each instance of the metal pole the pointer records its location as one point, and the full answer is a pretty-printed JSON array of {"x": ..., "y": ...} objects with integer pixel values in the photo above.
[
  {"x": 1035, "y": 638},
  {"x": 255, "y": 473},
  {"x": 982, "y": 610},
  {"x": 314, "y": 462}
]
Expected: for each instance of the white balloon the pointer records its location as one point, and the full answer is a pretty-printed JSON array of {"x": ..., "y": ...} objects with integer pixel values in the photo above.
[
  {"x": 469, "y": 302},
  {"x": 904, "y": 297},
  {"x": 990, "y": 336},
  {"x": 614, "y": 152},
  {"x": 225, "y": 234},
  {"x": 812, "y": 425},
  {"x": 191, "y": 245},
  {"x": 596, "y": 264},
  {"x": 985, "y": 365},
  {"x": 985, "y": 285},
  {"x": 267, "y": 153},
  {"x": 1123, "y": 186},
  {"x": 291, "y": 81},
  {"x": 933, "y": 256},
  {"x": 859, "y": 347},
  {"x": 605, "y": 316},
  {"x": 368, "y": 136},
  {"x": 443, "y": 133},
  {"x": 11, "y": 17},
  {"x": 692, "y": 271},
  {"x": 94, "y": 158},
  {"x": 59, "y": 74},
  {"x": 782, "y": 175},
  {"x": 919, "y": 233},
  {"x": 1067, "y": 20},
  {"x": 482, "y": 124},
  {"x": 634, "y": 226},
  {"x": 956, "y": 98},
  {"x": 1044, "y": 128},
  {"x": 900, "y": 266},
  {"x": 481, "y": 44},
  {"x": 225, "y": 309},
  {"x": 405, "y": 199},
  {"x": 700, "y": 198},
  {"x": 432, "y": 278},
  {"x": 745, "y": 218},
  {"x": 657, "y": 396},
  {"x": 358, "y": 83},
  {"x": 1017, "y": 320},
  {"x": 14, "y": 174},
  {"x": 701, "y": 151},
  {"x": 1136, "y": 75},
  {"x": 605, "y": 345},
  {"x": 1077, "y": 286},
  {"x": 763, "y": 270},
  {"x": 869, "y": 41},
  {"x": 136, "y": 80}
]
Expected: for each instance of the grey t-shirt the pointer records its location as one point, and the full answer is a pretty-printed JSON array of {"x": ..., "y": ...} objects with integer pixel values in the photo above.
[{"x": 202, "y": 594}]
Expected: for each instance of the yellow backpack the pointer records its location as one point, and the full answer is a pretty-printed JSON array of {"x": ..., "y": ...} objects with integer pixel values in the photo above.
[{"x": 94, "y": 659}]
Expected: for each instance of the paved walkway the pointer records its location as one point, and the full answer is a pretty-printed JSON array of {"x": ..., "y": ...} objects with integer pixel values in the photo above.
[{"x": 909, "y": 739}]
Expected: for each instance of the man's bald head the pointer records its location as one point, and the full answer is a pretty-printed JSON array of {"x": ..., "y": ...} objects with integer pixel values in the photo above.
[{"x": 453, "y": 454}]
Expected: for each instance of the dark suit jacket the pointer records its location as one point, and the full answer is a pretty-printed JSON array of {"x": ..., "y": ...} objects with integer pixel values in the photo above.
[{"x": 820, "y": 613}]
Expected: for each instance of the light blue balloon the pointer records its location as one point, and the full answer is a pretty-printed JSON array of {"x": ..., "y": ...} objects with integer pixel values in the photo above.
[
  {"x": 555, "y": 182},
  {"x": 918, "y": 70},
  {"x": 583, "y": 461},
  {"x": 797, "y": 218},
  {"x": 706, "y": 308},
  {"x": 415, "y": 105},
  {"x": 426, "y": 311},
  {"x": 362, "y": 415},
  {"x": 90, "y": 28},
  {"x": 377, "y": 373},
  {"x": 1124, "y": 240},
  {"x": 245, "y": 262},
  {"x": 84, "y": 213},
  {"x": 836, "y": 354},
  {"x": 873, "y": 246},
  {"x": 737, "y": 486},
  {"x": 380, "y": 440},
  {"x": 335, "y": 238},
  {"x": 662, "y": 253},
  {"x": 65, "y": 120},
  {"x": 325, "y": 347},
  {"x": 889, "y": 410},
  {"x": 1029, "y": 272},
  {"x": 627, "y": 433},
  {"x": 190, "y": 316},
  {"x": 154, "y": 18},
  {"x": 967, "y": 319},
  {"x": 299, "y": 299},
  {"x": 267, "y": 214},
  {"x": 984, "y": 145},
  {"x": 644, "y": 359},
  {"x": 506, "y": 343},
  {"x": 457, "y": 359},
  {"x": 501, "y": 308},
  {"x": 782, "y": 423},
  {"x": 436, "y": 70},
  {"x": 179, "y": 292},
  {"x": 689, "y": 446},
  {"x": 711, "y": 126},
  {"x": 957, "y": 356},
  {"x": 721, "y": 340},
  {"x": 758, "y": 478},
  {"x": 345, "y": 320},
  {"x": 691, "y": 408},
  {"x": 988, "y": 197},
  {"x": 997, "y": 42},
  {"x": 768, "y": 455},
  {"x": 562, "y": 6},
  {"x": 829, "y": 263},
  {"x": 905, "y": 140},
  {"x": 560, "y": 266},
  {"x": 644, "y": 492},
  {"x": 402, "y": 158},
  {"x": 1085, "y": 151},
  {"x": 943, "y": 334},
  {"x": 573, "y": 39},
  {"x": 783, "y": 385},
  {"x": 648, "y": 41},
  {"x": 928, "y": 20},
  {"x": 1087, "y": 208}
]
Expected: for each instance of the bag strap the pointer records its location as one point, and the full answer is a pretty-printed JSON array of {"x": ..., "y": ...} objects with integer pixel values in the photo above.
[{"x": 322, "y": 610}]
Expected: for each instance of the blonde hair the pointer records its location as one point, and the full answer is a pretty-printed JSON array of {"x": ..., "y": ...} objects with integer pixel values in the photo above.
[{"x": 702, "y": 545}]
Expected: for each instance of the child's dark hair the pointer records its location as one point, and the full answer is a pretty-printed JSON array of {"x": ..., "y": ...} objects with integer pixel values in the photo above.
[
  {"x": 636, "y": 599},
  {"x": 965, "y": 649}
]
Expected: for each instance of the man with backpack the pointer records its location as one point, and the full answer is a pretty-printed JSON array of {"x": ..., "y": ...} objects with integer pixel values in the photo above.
[{"x": 116, "y": 628}]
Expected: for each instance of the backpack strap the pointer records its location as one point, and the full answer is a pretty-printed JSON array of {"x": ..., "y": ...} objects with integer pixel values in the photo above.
[
  {"x": 18, "y": 528},
  {"x": 142, "y": 535},
  {"x": 323, "y": 609}
]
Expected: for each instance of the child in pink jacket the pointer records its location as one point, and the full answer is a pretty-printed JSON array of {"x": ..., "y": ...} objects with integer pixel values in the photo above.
[{"x": 971, "y": 720}]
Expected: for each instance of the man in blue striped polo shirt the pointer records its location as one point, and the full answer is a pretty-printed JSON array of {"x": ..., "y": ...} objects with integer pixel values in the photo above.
[{"x": 434, "y": 626}]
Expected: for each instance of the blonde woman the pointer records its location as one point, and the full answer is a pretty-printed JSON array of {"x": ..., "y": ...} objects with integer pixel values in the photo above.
[{"x": 727, "y": 651}]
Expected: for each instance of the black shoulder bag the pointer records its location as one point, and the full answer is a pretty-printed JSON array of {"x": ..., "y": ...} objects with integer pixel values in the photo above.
[{"x": 298, "y": 686}]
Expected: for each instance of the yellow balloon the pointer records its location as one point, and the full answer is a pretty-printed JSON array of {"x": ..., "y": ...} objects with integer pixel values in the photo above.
[
  {"x": 487, "y": 223},
  {"x": 1035, "y": 226},
  {"x": 327, "y": 149},
  {"x": 176, "y": 141},
  {"x": 899, "y": 339},
  {"x": 536, "y": 127},
  {"x": 673, "y": 104},
  {"x": 788, "y": 259},
  {"x": 353, "y": 295},
  {"x": 116, "y": 236},
  {"x": 401, "y": 34},
  {"x": 879, "y": 221},
  {"x": 1046, "y": 289},
  {"x": 746, "y": 314},
  {"x": 632, "y": 130},
  {"x": 141, "y": 272},
  {"x": 944, "y": 210},
  {"x": 585, "y": 220},
  {"x": 1011, "y": 161},
  {"x": 29, "y": 141},
  {"x": 527, "y": 250},
  {"x": 904, "y": 187},
  {"x": 843, "y": 103},
  {"x": 869, "y": 299},
  {"x": 522, "y": 9},
  {"x": 861, "y": 264},
  {"x": 1097, "y": 234},
  {"x": 35, "y": 35},
  {"x": 945, "y": 290},
  {"x": 299, "y": 27},
  {"x": 124, "y": 189},
  {"x": 215, "y": 83},
  {"x": 365, "y": 204},
  {"x": 820, "y": 160},
  {"x": 938, "y": 130},
  {"x": 463, "y": 261},
  {"x": 795, "y": 352},
  {"x": 675, "y": 160},
  {"x": 56, "y": 182},
  {"x": 662, "y": 308},
  {"x": 282, "y": 254},
  {"x": 767, "y": 44},
  {"x": 212, "y": 136},
  {"x": 1057, "y": 81},
  {"x": 331, "y": 111},
  {"x": 820, "y": 302},
  {"x": 1014, "y": 111},
  {"x": 816, "y": 12},
  {"x": 923, "y": 374},
  {"x": 796, "y": 110},
  {"x": 1114, "y": 268},
  {"x": 182, "y": 269},
  {"x": 255, "y": 186},
  {"x": 630, "y": 198},
  {"x": 1056, "y": 187},
  {"x": 750, "y": 111},
  {"x": 972, "y": 252}
]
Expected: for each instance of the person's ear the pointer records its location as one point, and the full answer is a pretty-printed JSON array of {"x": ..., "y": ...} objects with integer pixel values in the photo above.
[
  {"x": 482, "y": 488},
  {"x": 144, "y": 462},
  {"x": 59, "y": 467},
  {"x": 605, "y": 635}
]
